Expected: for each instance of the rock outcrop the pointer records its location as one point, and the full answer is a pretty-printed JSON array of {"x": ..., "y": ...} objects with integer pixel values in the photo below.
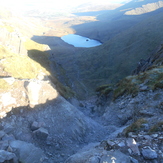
[
  {"x": 12, "y": 39},
  {"x": 155, "y": 60},
  {"x": 23, "y": 93}
]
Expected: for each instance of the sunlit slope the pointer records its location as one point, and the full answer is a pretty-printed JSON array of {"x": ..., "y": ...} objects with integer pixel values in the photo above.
[{"x": 20, "y": 66}]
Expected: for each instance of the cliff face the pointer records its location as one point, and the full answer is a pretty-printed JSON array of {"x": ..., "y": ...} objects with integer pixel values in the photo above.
[
  {"x": 12, "y": 39},
  {"x": 24, "y": 93}
]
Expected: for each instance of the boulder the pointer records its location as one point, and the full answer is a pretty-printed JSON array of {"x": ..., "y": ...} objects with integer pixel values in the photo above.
[
  {"x": 26, "y": 152},
  {"x": 2, "y": 133},
  {"x": 36, "y": 125},
  {"x": 8, "y": 128},
  {"x": 4, "y": 145},
  {"x": 7, "y": 157},
  {"x": 115, "y": 156},
  {"x": 41, "y": 133},
  {"x": 8, "y": 137},
  {"x": 149, "y": 153},
  {"x": 94, "y": 159},
  {"x": 131, "y": 143},
  {"x": 39, "y": 92}
]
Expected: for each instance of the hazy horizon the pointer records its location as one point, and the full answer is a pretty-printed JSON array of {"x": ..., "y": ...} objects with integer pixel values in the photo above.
[{"x": 51, "y": 4}]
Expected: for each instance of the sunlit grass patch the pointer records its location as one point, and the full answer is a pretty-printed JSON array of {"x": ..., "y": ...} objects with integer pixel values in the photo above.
[
  {"x": 22, "y": 67},
  {"x": 135, "y": 126},
  {"x": 4, "y": 85},
  {"x": 30, "y": 44}
]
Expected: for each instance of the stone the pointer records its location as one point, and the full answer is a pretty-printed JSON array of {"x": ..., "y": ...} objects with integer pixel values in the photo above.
[
  {"x": 4, "y": 145},
  {"x": 6, "y": 156},
  {"x": 143, "y": 88},
  {"x": 94, "y": 159},
  {"x": 8, "y": 137},
  {"x": 154, "y": 135},
  {"x": 115, "y": 157},
  {"x": 8, "y": 128},
  {"x": 133, "y": 160},
  {"x": 130, "y": 151},
  {"x": 2, "y": 133},
  {"x": 130, "y": 134},
  {"x": 110, "y": 143},
  {"x": 35, "y": 92},
  {"x": 121, "y": 144},
  {"x": 149, "y": 153},
  {"x": 131, "y": 143},
  {"x": 36, "y": 125},
  {"x": 160, "y": 137},
  {"x": 27, "y": 152},
  {"x": 41, "y": 133},
  {"x": 147, "y": 137},
  {"x": 6, "y": 100}
]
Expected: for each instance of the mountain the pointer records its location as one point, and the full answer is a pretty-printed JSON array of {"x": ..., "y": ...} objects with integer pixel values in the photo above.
[
  {"x": 64, "y": 104},
  {"x": 126, "y": 39}
]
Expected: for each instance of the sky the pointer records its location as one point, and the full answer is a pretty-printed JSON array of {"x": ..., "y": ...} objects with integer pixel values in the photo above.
[{"x": 29, "y": 4}]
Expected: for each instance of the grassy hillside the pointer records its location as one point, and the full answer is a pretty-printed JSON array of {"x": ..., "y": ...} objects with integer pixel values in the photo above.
[
  {"x": 118, "y": 56},
  {"x": 19, "y": 66}
]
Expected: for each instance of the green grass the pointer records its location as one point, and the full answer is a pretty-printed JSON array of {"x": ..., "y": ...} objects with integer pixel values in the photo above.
[
  {"x": 28, "y": 67},
  {"x": 157, "y": 127},
  {"x": 130, "y": 85},
  {"x": 24, "y": 67},
  {"x": 135, "y": 126},
  {"x": 119, "y": 54},
  {"x": 104, "y": 89},
  {"x": 30, "y": 44}
]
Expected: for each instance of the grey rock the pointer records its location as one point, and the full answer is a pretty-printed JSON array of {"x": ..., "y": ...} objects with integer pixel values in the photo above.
[
  {"x": 115, "y": 156},
  {"x": 146, "y": 113},
  {"x": 2, "y": 133},
  {"x": 143, "y": 88},
  {"x": 8, "y": 128},
  {"x": 149, "y": 153},
  {"x": 147, "y": 137},
  {"x": 41, "y": 133},
  {"x": 26, "y": 152},
  {"x": 154, "y": 135},
  {"x": 36, "y": 95},
  {"x": 94, "y": 159},
  {"x": 110, "y": 143},
  {"x": 4, "y": 145},
  {"x": 131, "y": 143},
  {"x": 36, "y": 125},
  {"x": 133, "y": 160},
  {"x": 8, "y": 137},
  {"x": 121, "y": 144},
  {"x": 7, "y": 157},
  {"x": 130, "y": 151}
]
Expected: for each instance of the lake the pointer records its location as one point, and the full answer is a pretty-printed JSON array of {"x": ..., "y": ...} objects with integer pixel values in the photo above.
[{"x": 80, "y": 41}]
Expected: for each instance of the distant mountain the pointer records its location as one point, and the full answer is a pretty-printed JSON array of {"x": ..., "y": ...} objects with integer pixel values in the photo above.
[{"x": 145, "y": 8}]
